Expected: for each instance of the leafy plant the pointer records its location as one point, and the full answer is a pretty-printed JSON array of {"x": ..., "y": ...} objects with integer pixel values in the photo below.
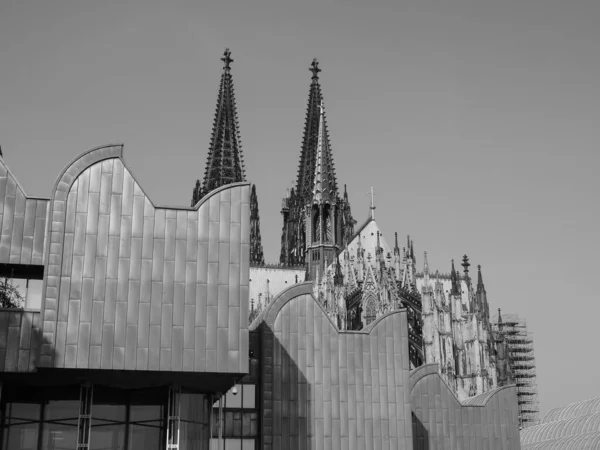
[{"x": 10, "y": 296}]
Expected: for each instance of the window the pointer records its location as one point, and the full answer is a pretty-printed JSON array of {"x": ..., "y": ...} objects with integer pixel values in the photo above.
[
  {"x": 47, "y": 419},
  {"x": 35, "y": 417},
  {"x": 370, "y": 312},
  {"x": 240, "y": 420},
  {"x": 22, "y": 421},
  {"x": 60, "y": 425},
  {"x": 28, "y": 290},
  {"x": 127, "y": 420}
]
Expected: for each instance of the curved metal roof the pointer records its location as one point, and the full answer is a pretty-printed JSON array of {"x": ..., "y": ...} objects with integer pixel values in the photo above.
[
  {"x": 572, "y": 428},
  {"x": 573, "y": 410},
  {"x": 588, "y": 441}
]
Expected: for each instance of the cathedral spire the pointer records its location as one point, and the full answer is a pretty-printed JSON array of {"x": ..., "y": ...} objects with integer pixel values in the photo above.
[
  {"x": 225, "y": 162},
  {"x": 425, "y": 270},
  {"x": 466, "y": 265},
  {"x": 480, "y": 286},
  {"x": 256, "y": 249},
  {"x": 315, "y": 131},
  {"x": 324, "y": 187},
  {"x": 455, "y": 281},
  {"x": 338, "y": 278},
  {"x": 372, "y": 204}
]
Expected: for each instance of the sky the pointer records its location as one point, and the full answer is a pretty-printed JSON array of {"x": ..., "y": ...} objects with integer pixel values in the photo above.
[{"x": 476, "y": 123}]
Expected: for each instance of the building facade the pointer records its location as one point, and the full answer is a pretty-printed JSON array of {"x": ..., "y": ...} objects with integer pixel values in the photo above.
[
  {"x": 139, "y": 336},
  {"x": 141, "y": 322},
  {"x": 356, "y": 275}
]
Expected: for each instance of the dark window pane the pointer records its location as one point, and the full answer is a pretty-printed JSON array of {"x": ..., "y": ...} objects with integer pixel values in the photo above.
[
  {"x": 228, "y": 424},
  {"x": 22, "y": 426},
  {"x": 23, "y": 411},
  {"x": 253, "y": 424},
  {"x": 142, "y": 413},
  {"x": 237, "y": 424},
  {"x": 21, "y": 437},
  {"x": 108, "y": 427},
  {"x": 146, "y": 427},
  {"x": 246, "y": 424},
  {"x": 60, "y": 425}
]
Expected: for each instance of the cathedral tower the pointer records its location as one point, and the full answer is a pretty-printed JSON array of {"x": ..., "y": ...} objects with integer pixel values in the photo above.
[
  {"x": 225, "y": 162},
  {"x": 315, "y": 219}
]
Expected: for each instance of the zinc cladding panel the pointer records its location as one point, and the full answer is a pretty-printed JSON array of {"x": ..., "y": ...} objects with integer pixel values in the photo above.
[
  {"x": 22, "y": 223},
  {"x": 446, "y": 423},
  {"x": 132, "y": 266},
  {"x": 20, "y": 338},
  {"x": 313, "y": 396}
]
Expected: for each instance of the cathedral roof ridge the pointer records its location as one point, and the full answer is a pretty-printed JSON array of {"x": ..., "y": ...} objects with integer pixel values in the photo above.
[{"x": 279, "y": 266}]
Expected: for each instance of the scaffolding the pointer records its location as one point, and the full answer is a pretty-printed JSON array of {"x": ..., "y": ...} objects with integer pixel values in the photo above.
[{"x": 522, "y": 364}]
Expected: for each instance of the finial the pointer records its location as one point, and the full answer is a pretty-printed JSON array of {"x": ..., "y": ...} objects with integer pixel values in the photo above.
[
  {"x": 372, "y": 204},
  {"x": 466, "y": 264},
  {"x": 314, "y": 68},
  {"x": 425, "y": 263},
  {"x": 378, "y": 243},
  {"x": 227, "y": 60},
  {"x": 479, "y": 278},
  {"x": 499, "y": 317},
  {"x": 396, "y": 246}
]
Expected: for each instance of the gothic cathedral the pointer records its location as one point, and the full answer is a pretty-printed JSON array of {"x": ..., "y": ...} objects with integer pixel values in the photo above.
[{"x": 357, "y": 277}]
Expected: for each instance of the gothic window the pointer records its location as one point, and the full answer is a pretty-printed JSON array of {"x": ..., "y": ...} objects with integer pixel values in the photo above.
[
  {"x": 328, "y": 228},
  {"x": 370, "y": 311},
  {"x": 316, "y": 237}
]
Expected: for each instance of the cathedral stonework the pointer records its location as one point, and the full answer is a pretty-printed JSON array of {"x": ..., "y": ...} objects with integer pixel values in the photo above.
[
  {"x": 316, "y": 221},
  {"x": 356, "y": 276}
]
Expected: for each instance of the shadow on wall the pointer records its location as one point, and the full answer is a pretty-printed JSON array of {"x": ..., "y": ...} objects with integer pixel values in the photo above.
[
  {"x": 342, "y": 389},
  {"x": 288, "y": 418},
  {"x": 420, "y": 434},
  {"x": 21, "y": 339},
  {"x": 489, "y": 419}
]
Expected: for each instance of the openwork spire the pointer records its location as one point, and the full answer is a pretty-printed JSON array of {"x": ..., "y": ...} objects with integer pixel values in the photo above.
[
  {"x": 324, "y": 186},
  {"x": 315, "y": 131},
  {"x": 225, "y": 162},
  {"x": 480, "y": 286},
  {"x": 454, "y": 276},
  {"x": 256, "y": 249}
]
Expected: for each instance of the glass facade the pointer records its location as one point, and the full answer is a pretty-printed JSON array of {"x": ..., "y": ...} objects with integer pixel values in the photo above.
[
  {"x": 239, "y": 422},
  {"x": 34, "y": 419},
  {"x": 47, "y": 419}
]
